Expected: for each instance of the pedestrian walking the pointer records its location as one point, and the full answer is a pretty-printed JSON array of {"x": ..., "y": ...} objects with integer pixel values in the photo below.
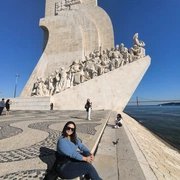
[
  {"x": 51, "y": 106},
  {"x": 2, "y": 104},
  {"x": 7, "y": 105}
]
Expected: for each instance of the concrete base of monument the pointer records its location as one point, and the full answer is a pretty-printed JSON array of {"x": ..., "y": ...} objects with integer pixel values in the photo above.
[
  {"x": 111, "y": 90},
  {"x": 30, "y": 103}
]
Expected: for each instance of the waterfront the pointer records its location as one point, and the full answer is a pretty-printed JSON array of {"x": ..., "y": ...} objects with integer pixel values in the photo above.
[{"x": 161, "y": 120}]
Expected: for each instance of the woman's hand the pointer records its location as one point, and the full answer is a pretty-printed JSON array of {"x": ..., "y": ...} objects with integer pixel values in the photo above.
[
  {"x": 92, "y": 155},
  {"x": 88, "y": 159}
]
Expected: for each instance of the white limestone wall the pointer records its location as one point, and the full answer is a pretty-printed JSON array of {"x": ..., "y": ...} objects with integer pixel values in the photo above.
[
  {"x": 71, "y": 36},
  {"x": 103, "y": 24},
  {"x": 108, "y": 91}
]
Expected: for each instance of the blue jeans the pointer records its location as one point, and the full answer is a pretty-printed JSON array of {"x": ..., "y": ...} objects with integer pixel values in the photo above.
[{"x": 75, "y": 169}]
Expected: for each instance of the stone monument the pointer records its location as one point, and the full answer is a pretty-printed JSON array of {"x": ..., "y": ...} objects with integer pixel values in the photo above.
[{"x": 80, "y": 61}]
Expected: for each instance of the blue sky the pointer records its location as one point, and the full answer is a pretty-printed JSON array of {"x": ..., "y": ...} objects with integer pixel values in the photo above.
[{"x": 156, "y": 21}]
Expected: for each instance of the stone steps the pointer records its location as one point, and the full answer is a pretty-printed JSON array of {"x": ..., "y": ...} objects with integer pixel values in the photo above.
[{"x": 30, "y": 103}]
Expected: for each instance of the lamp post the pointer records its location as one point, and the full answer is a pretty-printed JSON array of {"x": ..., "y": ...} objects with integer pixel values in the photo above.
[{"x": 17, "y": 75}]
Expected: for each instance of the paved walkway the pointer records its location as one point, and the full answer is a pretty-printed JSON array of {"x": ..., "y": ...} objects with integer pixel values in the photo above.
[
  {"x": 139, "y": 154},
  {"x": 28, "y": 139},
  {"x": 119, "y": 161},
  {"x": 28, "y": 142},
  {"x": 161, "y": 158}
]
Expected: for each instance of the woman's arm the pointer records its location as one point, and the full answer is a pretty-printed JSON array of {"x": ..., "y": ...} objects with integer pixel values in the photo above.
[
  {"x": 81, "y": 146},
  {"x": 66, "y": 147}
]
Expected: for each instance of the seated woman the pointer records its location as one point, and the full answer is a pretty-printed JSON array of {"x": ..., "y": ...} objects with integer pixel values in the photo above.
[
  {"x": 74, "y": 164},
  {"x": 118, "y": 121}
]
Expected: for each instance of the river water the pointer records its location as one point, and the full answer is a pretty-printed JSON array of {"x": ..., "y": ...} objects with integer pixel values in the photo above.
[{"x": 161, "y": 120}]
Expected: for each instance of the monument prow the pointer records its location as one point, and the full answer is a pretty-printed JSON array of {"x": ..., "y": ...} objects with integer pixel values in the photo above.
[{"x": 112, "y": 90}]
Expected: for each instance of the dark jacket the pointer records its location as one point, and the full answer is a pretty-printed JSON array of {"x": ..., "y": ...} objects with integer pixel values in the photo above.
[{"x": 87, "y": 106}]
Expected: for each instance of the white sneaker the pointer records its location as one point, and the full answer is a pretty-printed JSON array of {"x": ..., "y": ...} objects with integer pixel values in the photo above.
[{"x": 89, "y": 119}]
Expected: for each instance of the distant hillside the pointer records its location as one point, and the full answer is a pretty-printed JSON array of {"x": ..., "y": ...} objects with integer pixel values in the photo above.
[{"x": 170, "y": 104}]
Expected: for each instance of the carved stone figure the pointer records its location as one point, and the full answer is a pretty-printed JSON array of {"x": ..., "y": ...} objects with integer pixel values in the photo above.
[
  {"x": 104, "y": 57},
  {"x": 110, "y": 53},
  {"x": 125, "y": 56},
  {"x": 51, "y": 84},
  {"x": 35, "y": 88},
  {"x": 86, "y": 73},
  {"x": 112, "y": 63},
  {"x": 57, "y": 81},
  {"x": 136, "y": 52},
  {"x": 63, "y": 75},
  {"x": 75, "y": 67},
  {"x": 94, "y": 65},
  {"x": 105, "y": 61},
  {"x": 40, "y": 88},
  {"x": 116, "y": 57},
  {"x": 138, "y": 42},
  {"x": 69, "y": 83},
  {"x": 121, "y": 48},
  {"x": 140, "y": 45},
  {"x": 77, "y": 72},
  {"x": 44, "y": 88},
  {"x": 97, "y": 63},
  {"x": 89, "y": 67}
]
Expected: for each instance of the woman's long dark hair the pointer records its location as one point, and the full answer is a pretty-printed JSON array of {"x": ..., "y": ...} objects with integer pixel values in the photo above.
[
  {"x": 73, "y": 135},
  {"x": 7, "y": 100},
  {"x": 119, "y": 116}
]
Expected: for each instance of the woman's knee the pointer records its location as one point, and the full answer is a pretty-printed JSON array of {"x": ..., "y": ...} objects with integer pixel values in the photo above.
[{"x": 90, "y": 167}]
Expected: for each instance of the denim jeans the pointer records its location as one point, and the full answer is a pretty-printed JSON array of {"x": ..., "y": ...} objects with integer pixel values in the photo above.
[{"x": 75, "y": 169}]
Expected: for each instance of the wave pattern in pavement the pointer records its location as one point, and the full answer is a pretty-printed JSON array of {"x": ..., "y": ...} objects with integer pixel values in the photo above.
[{"x": 43, "y": 150}]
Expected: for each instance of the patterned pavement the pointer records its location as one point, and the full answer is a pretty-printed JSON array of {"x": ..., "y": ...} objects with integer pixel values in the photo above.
[{"x": 28, "y": 139}]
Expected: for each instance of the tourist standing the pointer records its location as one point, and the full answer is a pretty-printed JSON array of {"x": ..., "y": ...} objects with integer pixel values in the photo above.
[
  {"x": 8, "y": 102},
  {"x": 51, "y": 106},
  {"x": 2, "y": 104},
  {"x": 88, "y": 107}
]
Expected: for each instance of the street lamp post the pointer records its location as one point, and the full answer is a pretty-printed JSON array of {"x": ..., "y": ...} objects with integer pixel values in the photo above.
[{"x": 17, "y": 75}]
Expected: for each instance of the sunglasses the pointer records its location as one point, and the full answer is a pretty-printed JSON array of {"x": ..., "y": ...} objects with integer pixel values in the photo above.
[{"x": 69, "y": 128}]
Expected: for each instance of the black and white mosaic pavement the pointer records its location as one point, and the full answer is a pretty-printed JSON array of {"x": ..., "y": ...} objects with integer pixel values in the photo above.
[
  {"x": 25, "y": 175},
  {"x": 7, "y": 130},
  {"x": 44, "y": 149}
]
